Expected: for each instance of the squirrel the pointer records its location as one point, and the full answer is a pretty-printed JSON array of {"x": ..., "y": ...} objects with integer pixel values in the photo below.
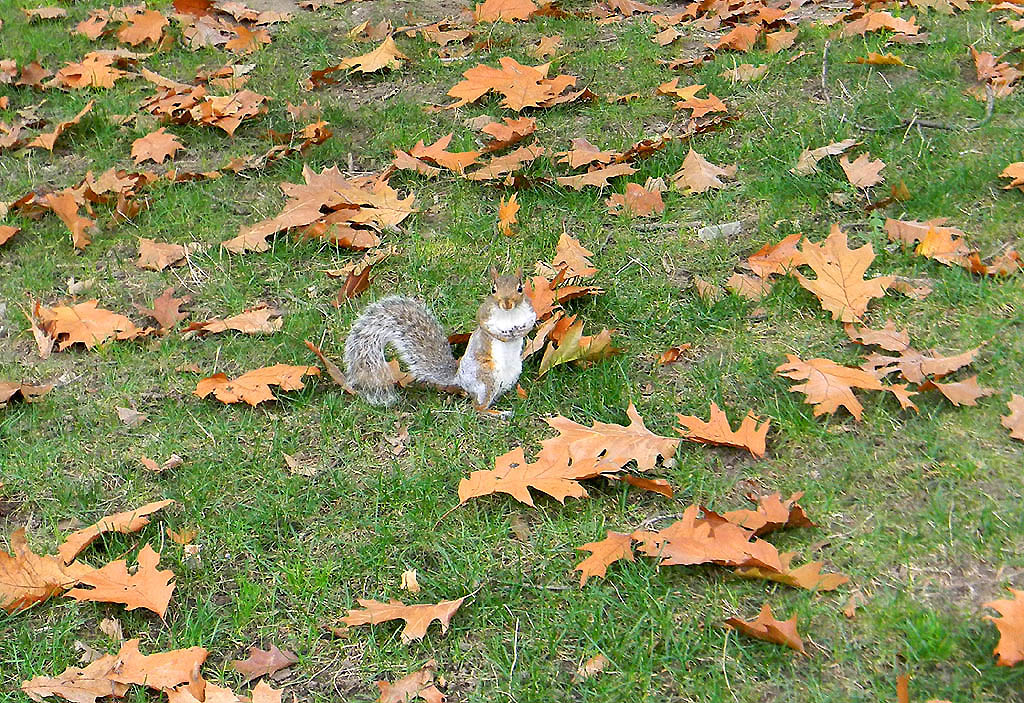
[{"x": 492, "y": 362}]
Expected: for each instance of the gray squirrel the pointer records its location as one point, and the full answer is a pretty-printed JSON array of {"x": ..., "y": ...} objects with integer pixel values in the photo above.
[{"x": 492, "y": 362}]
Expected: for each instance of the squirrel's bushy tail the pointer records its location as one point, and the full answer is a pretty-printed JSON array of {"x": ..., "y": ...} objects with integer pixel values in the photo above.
[{"x": 414, "y": 332}]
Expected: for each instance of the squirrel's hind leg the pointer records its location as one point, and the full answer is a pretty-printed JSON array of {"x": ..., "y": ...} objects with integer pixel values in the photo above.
[{"x": 379, "y": 395}]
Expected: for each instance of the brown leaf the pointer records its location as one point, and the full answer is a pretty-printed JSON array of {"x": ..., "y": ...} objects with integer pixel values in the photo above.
[
  {"x": 637, "y": 201},
  {"x": 143, "y": 26},
  {"x": 862, "y": 171},
  {"x": 504, "y": 10},
  {"x": 173, "y": 462},
  {"x": 356, "y": 283},
  {"x": 78, "y": 685},
  {"x": 873, "y": 21},
  {"x": 146, "y": 588},
  {"x": 575, "y": 346},
  {"x": 124, "y": 523},
  {"x": 253, "y": 387},
  {"x": 160, "y": 671},
  {"x": 807, "y": 577},
  {"x": 840, "y": 285},
  {"x": 247, "y": 41},
  {"x": 745, "y": 72},
  {"x": 507, "y": 210},
  {"x": 612, "y": 548},
  {"x": 772, "y": 513},
  {"x": 965, "y": 392},
  {"x": 807, "y": 162},
  {"x": 583, "y": 153},
  {"x": 522, "y": 86},
  {"x": 777, "y": 258},
  {"x": 409, "y": 582},
  {"x": 546, "y": 46},
  {"x": 1015, "y": 420},
  {"x": 258, "y": 320},
  {"x": 85, "y": 323},
  {"x": 889, "y": 337},
  {"x": 876, "y": 59},
  {"x": 750, "y": 435},
  {"x": 156, "y": 256},
  {"x": 418, "y": 684},
  {"x": 766, "y": 627},
  {"x": 672, "y": 354},
  {"x": 166, "y": 309},
  {"x": 598, "y": 177},
  {"x": 699, "y": 175},
  {"x": 780, "y": 40},
  {"x": 27, "y": 578},
  {"x": 333, "y": 370},
  {"x": 508, "y": 132},
  {"x": 417, "y": 617},
  {"x": 593, "y": 666},
  {"x": 572, "y": 258},
  {"x": 155, "y": 146},
  {"x": 131, "y": 417},
  {"x": 25, "y": 391},
  {"x": 386, "y": 55},
  {"x": 829, "y": 386},
  {"x": 741, "y": 38},
  {"x": 65, "y": 206},
  {"x": 6, "y": 232},
  {"x": 916, "y": 366},
  {"x": 751, "y": 288},
  {"x": 1010, "y": 650},
  {"x": 262, "y": 662}
]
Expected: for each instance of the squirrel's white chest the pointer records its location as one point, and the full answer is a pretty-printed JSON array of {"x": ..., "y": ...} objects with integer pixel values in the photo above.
[{"x": 508, "y": 362}]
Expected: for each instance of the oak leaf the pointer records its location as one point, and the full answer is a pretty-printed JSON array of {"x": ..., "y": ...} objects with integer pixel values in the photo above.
[
  {"x": 418, "y": 684},
  {"x": 143, "y": 26},
  {"x": 1010, "y": 650},
  {"x": 637, "y": 201},
  {"x": 509, "y": 131},
  {"x": 965, "y": 392},
  {"x": 772, "y": 513},
  {"x": 546, "y": 46},
  {"x": 807, "y": 577},
  {"x": 504, "y": 10},
  {"x": 750, "y": 435},
  {"x": 807, "y": 162},
  {"x": 507, "y": 210},
  {"x": 862, "y": 171},
  {"x": 777, "y": 258},
  {"x": 889, "y": 337},
  {"x": 766, "y": 627},
  {"x": 417, "y": 617},
  {"x": 598, "y": 177},
  {"x": 699, "y": 175},
  {"x": 261, "y": 319},
  {"x": 155, "y": 146},
  {"x": 829, "y": 386},
  {"x": 162, "y": 670},
  {"x": 147, "y": 588},
  {"x": 44, "y": 13},
  {"x": 583, "y": 153},
  {"x": 166, "y": 309},
  {"x": 65, "y": 206},
  {"x": 49, "y": 140},
  {"x": 437, "y": 154},
  {"x": 916, "y": 366},
  {"x": 94, "y": 71},
  {"x": 872, "y": 21},
  {"x": 612, "y": 548},
  {"x": 85, "y": 323},
  {"x": 572, "y": 258},
  {"x": 840, "y": 284},
  {"x": 752, "y": 288},
  {"x": 263, "y": 661},
  {"x": 745, "y": 72},
  {"x": 124, "y": 523},
  {"x": 78, "y": 685},
  {"x": 156, "y": 256},
  {"x": 386, "y": 55},
  {"x": 1015, "y": 420},
  {"x": 545, "y": 294},
  {"x": 247, "y": 41},
  {"x": 27, "y": 578},
  {"x": 777, "y": 41},
  {"x": 740, "y": 38},
  {"x": 253, "y": 387},
  {"x": 1015, "y": 172}
]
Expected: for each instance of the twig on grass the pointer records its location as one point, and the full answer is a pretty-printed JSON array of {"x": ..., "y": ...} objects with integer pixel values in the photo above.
[{"x": 912, "y": 122}]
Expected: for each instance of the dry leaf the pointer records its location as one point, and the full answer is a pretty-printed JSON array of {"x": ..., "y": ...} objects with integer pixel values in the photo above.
[
  {"x": 829, "y": 386},
  {"x": 1010, "y": 650},
  {"x": 25, "y": 391},
  {"x": 766, "y": 627},
  {"x": 574, "y": 346},
  {"x": 965, "y": 392},
  {"x": 27, "y": 578},
  {"x": 780, "y": 40},
  {"x": 699, "y": 175},
  {"x": 862, "y": 171},
  {"x": 750, "y": 435},
  {"x": 155, "y": 146},
  {"x": 418, "y": 684},
  {"x": 166, "y": 309},
  {"x": 417, "y": 617},
  {"x": 146, "y": 588},
  {"x": 504, "y": 10},
  {"x": 507, "y": 210},
  {"x": 672, "y": 354},
  {"x": 258, "y": 320},
  {"x": 637, "y": 201},
  {"x": 751, "y": 288},
  {"x": 597, "y": 178},
  {"x": 78, "y": 685},
  {"x": 131, "y": 416},
  {"x": 876, "y": 59},
  {"x": 65, "y": 206},
  {"x": 143, "y": 26},
  {"x": 1014, "y": 422},
  {"x": 124, "y": 523},
  {"x": 612, "y": 548},
  {"x": 409, "y": 582},
  {"x": 593, "y": 666},
  {"x": 262, "y": 662},
  {"x": 572, "y": 258},
  {"x": 547, "y": 46},
  {"x": 807, "y": 162},
  {"x": 253, "y": 387},
  {"x": 156, "y": 256},
  {"x": 745, "y": 72}
]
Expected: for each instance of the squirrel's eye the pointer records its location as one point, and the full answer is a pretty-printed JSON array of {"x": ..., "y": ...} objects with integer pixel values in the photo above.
[{"x": 520, "y": 289}]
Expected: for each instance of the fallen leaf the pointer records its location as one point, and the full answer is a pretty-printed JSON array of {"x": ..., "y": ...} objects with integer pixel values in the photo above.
[
  {"x": 6, "y": 232},
  {"x": 131, "y": 416},
  {"x": 780, "y": 40},
  {"x": 766, "y": 627},
  {"x": 593, "y": 666},
  {"x": 876, "y": 59},
  {"x": 546, "y": 46},
  {"x": 27, "y": 392},
  {"x": 162, "y": 670},
  {"x": 740, "y": 38},
  {"x": 807, "y": 162},
  {"x": 156, "y": 256},
  {"x": 522, "y": 86},
  {"x": 143, "y": 26},
  {"x": 637, "y": 201},
  {"x": 672, "y": 354},
  {"x": 1010, "y": 650},
  {"x": 862, "y": 171},
  {"x": 263, "y": 662},
  {"x": 386, "y": 55},
  {"x": 777, "y": 258},
  {"x": 145, "y": 588},
  {"x": 512, "y": 131},
  {"x": 612, "y": 548},
  {"x": 1015, "y": 420},
  {"x": 807, "y": 577},
  {"x": 247, "y": 41},
  {"x": 65, "y": 206},
  {"x": 44, "y": 13},
  {"x": 183, "y": 537},
  {"x": 745, "y": 73},
  {"x": 417, "y": 617},
  {"x": 409, "y": 582},
  {"x": 873, "y": 21},
  {"x": 166, "y": 309},
  {"x": 750, "y": 435},
  {"x": 504, "y": 10},
  {"x": 124, "y": 523},
  {"x": 751, "y": 288},
  {"x": 965, "y": 392},
  {"x": 572, "y": 258},
  {"x": 507, "y": 210},
  {"x": 574, "y": 346},
  {"x": 261, "y": 319},
  {"x": 583, "y": 153},
  {"x": 253, "y": 387},
  {"x": 699, "y": 175},
  {"x": 418, "y": 684},
  {"x": 155, "y": 146},
  {"x": 829, "y": 385},
  {"x": 597, "y": 178},
  {"x": 78, "y": 685},
  {"x": 27, "y": 578},
  {"x": 772, "y": 513},
  {"x": 917, "y": 367}
]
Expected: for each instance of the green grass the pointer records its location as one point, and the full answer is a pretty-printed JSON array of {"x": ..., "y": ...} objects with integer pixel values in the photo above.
[{"x": 922, "y": 511}]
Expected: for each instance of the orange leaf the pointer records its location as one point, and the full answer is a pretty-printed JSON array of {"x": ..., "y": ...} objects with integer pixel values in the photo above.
[
  {"x": 48, "y": 141},
  {"x": 507, "y": 210},
  {"x": 1010, "y": 649},
  {"x": 862, "y": 171},
  {"x": 504, "y": 10},
  {"x": 750, "y": 435},
  {"x": 741, "y": 38},
  {"x": 749, "y": 287},
  {"x": 27, "y": 578},
  {"x": 672, "y": 354},
  {"x": 777, "y": 41},
  {"x": 807, "y": 577},
  {"x": 124, "y": 523},
  {"x": 612, "y": 548},
  {"x": 85, "y": 323},
  {"x": 637, "y": 201},
  {"x": 572, "y": 258},
  {"x": 247, "y": 41},
  {"x": 6, "y": 232},
  {"x": 772, "y": 513},
  {"x": 965, "y": 392},
  {"x": 143, "y": 26},
  {"x": 777, "y": 258},
  {"x": 418, "y": 684},
  {"x": 807, "y": 162},
  {"x": 155, "y": 146},
  {"x": 161, "y": 671},
  {"x": 417, "y": 617},
  {"x": 25, "y": 391},
  {"x": 698, "y": 175},
  {"x": 258, "y": 320},
  {"x": 166, "y": 309},
  {"x": 253, "y": 387},
  {"x": 146, "y": 588},
  {"x": 766, "y": 627},
  {"x": 1015, "y": 420},
  {"x": 156, "y": 256},
  {"x": 65, "y": 206},
  {"x": 598, "y": 177},
  {"x": 829, "y": 386}
]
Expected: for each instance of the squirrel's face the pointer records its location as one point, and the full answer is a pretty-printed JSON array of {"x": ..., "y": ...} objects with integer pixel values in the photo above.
[{"x": 507, "y": 291}]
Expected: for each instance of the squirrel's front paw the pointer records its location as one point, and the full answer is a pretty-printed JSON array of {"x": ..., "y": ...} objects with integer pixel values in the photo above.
[{"x": 494, "y": 414}]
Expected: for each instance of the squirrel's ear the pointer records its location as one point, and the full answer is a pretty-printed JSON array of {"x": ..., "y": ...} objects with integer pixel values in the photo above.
[
  {"x": 519, "y": 273},
  {"x": 494, "y": 274}
]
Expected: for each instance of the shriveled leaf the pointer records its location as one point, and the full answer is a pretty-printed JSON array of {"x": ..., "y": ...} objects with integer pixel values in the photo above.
[
  {"x": 263, "y": 662},
  {"x": 807, "y": 162},
  {"x": 417, "y": 617},
  {"x": 766, "y": 627},
  {"x": 26, "y": 391},
  {"x": 124, "y": 523}
]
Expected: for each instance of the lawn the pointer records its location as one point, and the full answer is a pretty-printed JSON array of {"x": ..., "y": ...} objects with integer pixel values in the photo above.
[{"x": 922, "y": 510}]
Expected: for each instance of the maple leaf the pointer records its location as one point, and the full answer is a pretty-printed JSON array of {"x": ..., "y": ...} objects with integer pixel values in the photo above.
[
  {"x": 247, "y": 41},
  {"x": 253, "y": 387},
  {"x": 436, "y": 154},
  {"x": 418, "y": 684},
  {"x": 124, "y": 523},
  {"x": 27, "y": 578},
  {"x": 862, "y": 171},
  {"x": 261, "y": 319},
  {"x": 85, "y": 323},
  {"x": 572, "y": 258},
  {"x": 598, "y": 177},
  {"x": 807, "y": 577},
  {"x": 637, "y": 201},
  {"x": 504, "y": 10},
  {"x": 965, "y": 392},
  {"x": 417, "y": 617},
  {"x": 166, "y": 310},
  {"x": 25, "y": 391},
  {"x": 745, "y": 72},
  {"x": 780, "y": 40},
  {"x": 162, "y": 670},
  {"x": 94, "y": 71},
  {"x": 829, "y": 385},
  {"x": 507, "y": 210},
  {"x": 263, "y": 661},
  {"x": 750, "y": 435},
  {"x": 840, "y": 285},
  {"x": 612, "y": 548},
  {"x": 545, "y": 294},
  {"x": 147, "y": 588},
  {"x": 386, "y": 55},
  {"x": 143, "y": 26},
  {"x": 49, "y": 140},
  {"x": 740, "y": 38},
  {"x": 766, "y": 627},
  {"x": 522, "y": 86},
  {"x": 1010, "y": 650},
  {"x": 776, "y": 258},
  {"x": 1015, "y": 420},
  {"x": 807, "y": 162},
  {"x": 155, "y": 146},
  {"x": 65, "y": 206},
  {"x": 889, "y": 337},
  {"x": 156, "y": 256},
  {"x": 77, "y": 685},
  {"x": 546, "y": 46},
  {"x": 699, "y": 175}
]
